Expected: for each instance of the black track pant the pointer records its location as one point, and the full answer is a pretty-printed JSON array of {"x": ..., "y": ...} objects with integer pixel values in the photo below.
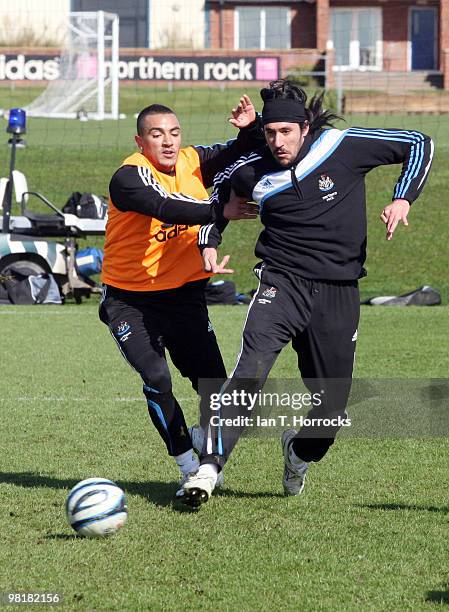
[
  {"x": 321, "y": 319},
  {"x": 143, "y": 325}
]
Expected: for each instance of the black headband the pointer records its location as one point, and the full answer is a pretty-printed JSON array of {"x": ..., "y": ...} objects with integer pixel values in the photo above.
[{"x": 286, "y": 110}]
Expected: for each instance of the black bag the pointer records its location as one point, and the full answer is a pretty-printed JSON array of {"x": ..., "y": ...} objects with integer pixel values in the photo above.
[
  {"x": 23, "y": 289},
  {"x": 220, "y": 292},
  {"x": 424, "y": 296},
  {"x": 86, "y": 206}
]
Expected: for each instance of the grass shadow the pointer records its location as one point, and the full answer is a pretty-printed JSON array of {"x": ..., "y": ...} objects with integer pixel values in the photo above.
[
  {"x": 158, "y": 493},
  {"x": 392, "y": 506},
  {"x": 439, "y": 597},
  {"x": 246, "y": 494},
  {"x": 62, "y": 536}
]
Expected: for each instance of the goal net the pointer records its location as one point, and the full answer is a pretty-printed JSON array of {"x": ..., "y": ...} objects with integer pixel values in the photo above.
[{"x": 87, "y": 85}]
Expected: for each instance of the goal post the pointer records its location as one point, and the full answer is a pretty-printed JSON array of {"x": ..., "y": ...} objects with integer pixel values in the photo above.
[{"x": 88, "y": 81}]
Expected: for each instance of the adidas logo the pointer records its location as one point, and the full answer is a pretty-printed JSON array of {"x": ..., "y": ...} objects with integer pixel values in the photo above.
[{"x": 266, "y": 183}]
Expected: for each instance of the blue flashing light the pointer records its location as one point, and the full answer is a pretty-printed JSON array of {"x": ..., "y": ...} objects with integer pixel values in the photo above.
[{"x": 16, "y": 121}]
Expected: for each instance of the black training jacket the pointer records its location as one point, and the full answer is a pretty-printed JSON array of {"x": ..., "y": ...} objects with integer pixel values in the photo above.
[{"x": 314, "y": 213}]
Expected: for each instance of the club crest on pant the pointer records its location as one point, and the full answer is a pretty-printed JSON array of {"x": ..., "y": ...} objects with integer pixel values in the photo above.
[
  {"x": 123, "y": 331},
  {"x": 270, "y": 293}
]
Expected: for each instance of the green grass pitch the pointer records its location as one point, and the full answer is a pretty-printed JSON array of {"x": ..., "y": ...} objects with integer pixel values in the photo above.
[{"x": 369, "y": 531}]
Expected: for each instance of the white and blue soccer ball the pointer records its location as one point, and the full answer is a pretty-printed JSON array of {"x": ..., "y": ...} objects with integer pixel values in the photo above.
[{"x": 96, "y": 508}]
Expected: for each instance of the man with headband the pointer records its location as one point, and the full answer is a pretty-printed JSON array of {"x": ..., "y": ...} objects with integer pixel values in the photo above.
[{"x": 309, "y": 183}]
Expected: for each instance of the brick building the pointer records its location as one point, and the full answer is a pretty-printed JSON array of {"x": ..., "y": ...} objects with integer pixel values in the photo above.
[
  {"x": 358, "y": 36},
  {"x": 389, "y": 45}
]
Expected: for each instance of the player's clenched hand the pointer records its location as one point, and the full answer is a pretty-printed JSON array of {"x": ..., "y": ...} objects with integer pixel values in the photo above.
[
  {"x": 243, "y": 114},
  {"x": 393, "y": 213},
  {"x": 210, "y": 262},
  {"x": 239, "y": 208}
]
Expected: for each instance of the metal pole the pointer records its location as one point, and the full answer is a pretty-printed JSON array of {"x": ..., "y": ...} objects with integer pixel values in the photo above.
[
  {"x": 220, "y": 21},
  {"x": 100, "y": 64},
  {"x": 114, "y": 69},
  {"x": 325, "y": 67},
  {"x": 339, "y": 92},
  {"x": 8, "y": 194}
]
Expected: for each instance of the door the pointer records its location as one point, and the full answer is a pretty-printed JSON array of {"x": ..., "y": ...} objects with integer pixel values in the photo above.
[{"x": 423, "y": 38}]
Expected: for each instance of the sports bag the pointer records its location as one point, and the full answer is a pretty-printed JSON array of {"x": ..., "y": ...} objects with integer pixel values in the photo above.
[
  {"x": 220, "y": 292},
  {"x": 424, "y": 296},
  {"x": 89, "y": 261},
  {"x": 22, "y": 289},
  {"x": 86, "y": 206}
]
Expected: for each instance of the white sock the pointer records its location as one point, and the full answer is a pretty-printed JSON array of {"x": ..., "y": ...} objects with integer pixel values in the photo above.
[
  {"x": 188, "y": 462},
  {"x": 208, "y": 470}
]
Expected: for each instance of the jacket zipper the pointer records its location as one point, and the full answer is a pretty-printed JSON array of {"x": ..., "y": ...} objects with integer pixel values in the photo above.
[{"x": 295, "y": 183}]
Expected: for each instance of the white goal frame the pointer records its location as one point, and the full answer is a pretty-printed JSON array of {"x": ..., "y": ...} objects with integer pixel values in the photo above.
[{"x": 70, "y": 105}]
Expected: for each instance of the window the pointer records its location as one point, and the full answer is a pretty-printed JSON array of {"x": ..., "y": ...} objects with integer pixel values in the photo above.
[
  {"x": 133, "y": 16},
  {"x": 357, "y": 38},
  {"x": 262, "y": 28}
]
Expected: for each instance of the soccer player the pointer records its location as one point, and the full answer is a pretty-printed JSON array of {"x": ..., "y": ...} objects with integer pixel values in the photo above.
[
  {"x": 153, "y": 297},
  {"x": 310, "y": 185}
]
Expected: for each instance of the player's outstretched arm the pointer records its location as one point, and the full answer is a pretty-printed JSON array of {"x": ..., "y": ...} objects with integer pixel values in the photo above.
[
  {"x": 394, "y": 213},
  {"x": 134, "y": 189},
  {"x": 243, "y": 114},
  {"x": 209, "y": 236},
  {"x": 238, "y": 208},
  {"x": 210, "y": 261},
  {"x": 216, "y": 158}
]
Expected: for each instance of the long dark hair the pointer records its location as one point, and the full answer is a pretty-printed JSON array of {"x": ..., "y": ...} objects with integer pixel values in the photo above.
[{"x": 317, "y": 116}]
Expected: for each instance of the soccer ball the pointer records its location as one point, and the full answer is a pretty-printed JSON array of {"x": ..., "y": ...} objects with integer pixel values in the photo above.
[{"x": 96, "y": 508}]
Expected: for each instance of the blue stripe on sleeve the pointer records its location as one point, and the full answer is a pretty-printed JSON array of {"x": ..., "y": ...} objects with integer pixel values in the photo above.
[{"x": 416, "y": 157}]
